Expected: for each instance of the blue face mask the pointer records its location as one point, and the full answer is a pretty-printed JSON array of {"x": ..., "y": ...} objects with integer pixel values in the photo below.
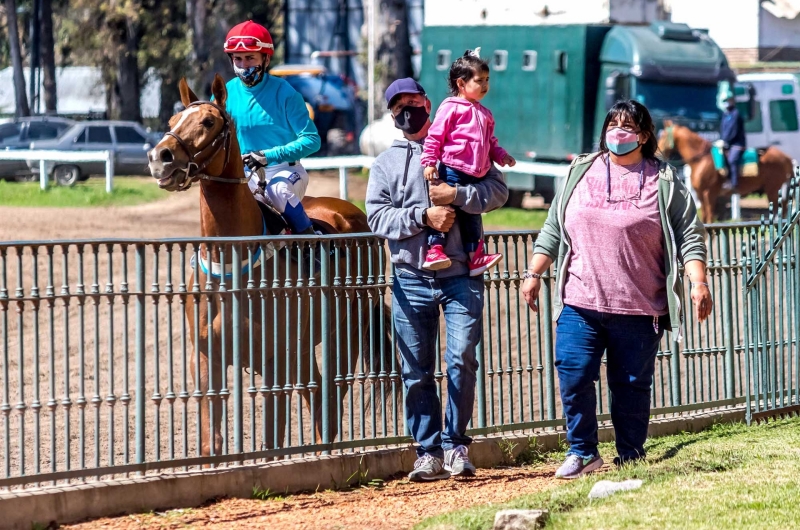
[{"x": 250, "y": 76}]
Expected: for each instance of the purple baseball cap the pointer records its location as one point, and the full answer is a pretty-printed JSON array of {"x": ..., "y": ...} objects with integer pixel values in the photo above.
[{"x": 402, "y": 86}]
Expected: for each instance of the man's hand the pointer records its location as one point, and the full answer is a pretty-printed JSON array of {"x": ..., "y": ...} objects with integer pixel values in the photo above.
[
  {"x": 255, "y": 160},
  {"x": 441, "y": 194},
  {"x": 441, "y": 218},
  {"x": 431, "y": 173},
  {"x": 509, "y": 161}
]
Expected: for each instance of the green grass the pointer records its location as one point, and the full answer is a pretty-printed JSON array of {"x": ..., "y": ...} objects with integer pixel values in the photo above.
[
  {"x": 730, "y": 476},
  {"x": 127, "y": 191},
  {"x": 514, "y": 218}
]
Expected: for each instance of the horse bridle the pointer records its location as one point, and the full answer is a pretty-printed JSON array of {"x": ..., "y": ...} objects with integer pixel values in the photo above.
[
  {"x": 671, "y": 145},
  {"x": 200, "y": 160}
]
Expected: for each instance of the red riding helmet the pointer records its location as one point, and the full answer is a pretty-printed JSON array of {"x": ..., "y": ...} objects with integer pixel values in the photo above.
[{"x": 249, "y": 37}]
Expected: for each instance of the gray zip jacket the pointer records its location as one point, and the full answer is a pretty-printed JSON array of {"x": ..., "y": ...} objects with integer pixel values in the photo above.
[
  {"x": 397, "y": 194},
  {"x": 684, "y": 234}
]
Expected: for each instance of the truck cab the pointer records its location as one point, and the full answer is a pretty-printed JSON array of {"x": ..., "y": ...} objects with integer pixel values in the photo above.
[
  {"x": 769, "y": 103},
  {"x": 552, "y": 85}
]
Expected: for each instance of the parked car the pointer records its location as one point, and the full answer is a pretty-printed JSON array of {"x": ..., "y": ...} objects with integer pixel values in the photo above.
[
  {"x": 333, "y": 105},
  {"x": 129, "y": 141},
  {"x": 18, "y": 133}
]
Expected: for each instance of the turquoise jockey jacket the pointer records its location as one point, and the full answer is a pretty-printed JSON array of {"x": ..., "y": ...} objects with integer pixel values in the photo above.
[{"x": 272, "y": 117}]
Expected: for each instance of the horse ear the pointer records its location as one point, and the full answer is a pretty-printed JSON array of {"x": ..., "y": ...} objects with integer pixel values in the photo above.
[
  {"x": 219, "y": 91},
  {"x": 187, "y": 96}
]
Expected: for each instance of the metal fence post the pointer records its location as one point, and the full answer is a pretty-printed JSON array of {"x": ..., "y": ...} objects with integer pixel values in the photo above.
[
  {"x": 109, "y": 171},
  {"x": 325, "y": 310},
  {"x": 547, "y": 309},
  {"x": 727, "y": 315},
  {"x": 140, "y": 360},
  {"x": 43, "y": 174},
  {"x": 236, "y": 286},
  {"x": 481, "y": 383},
  {"x": 343, "y": 183}
]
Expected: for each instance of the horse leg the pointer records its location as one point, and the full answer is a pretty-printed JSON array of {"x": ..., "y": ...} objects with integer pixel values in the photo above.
[{"x": 210, "y": 420}]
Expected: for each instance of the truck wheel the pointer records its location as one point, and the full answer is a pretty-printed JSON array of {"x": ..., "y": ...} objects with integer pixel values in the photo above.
[
  {"x": 515, "y": 198},
  {"x": 66, "y": 175}
]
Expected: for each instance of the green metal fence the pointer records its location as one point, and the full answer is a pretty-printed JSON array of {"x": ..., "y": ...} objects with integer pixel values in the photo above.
[{"x": 100, "y": 349}]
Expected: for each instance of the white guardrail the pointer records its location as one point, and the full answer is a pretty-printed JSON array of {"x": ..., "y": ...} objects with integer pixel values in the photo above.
[
  {"x": 342, "y": 163},
  {"x": 45, "y": 156}
]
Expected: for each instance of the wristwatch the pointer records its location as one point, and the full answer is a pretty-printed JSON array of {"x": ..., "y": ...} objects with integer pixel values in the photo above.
[
  {"x": 528, "y": 275},
  {"x": 425, "y": 217}
]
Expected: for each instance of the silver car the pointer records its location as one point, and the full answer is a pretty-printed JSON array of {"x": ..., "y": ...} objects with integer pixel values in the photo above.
[{"x": 129, "y": 141}]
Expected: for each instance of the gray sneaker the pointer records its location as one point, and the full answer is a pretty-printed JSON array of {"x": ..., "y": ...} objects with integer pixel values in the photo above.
[
  {"x": 575, "y": 466},
  {"x": 457, "y": 462},
  {"x": 427, "y": 468}
]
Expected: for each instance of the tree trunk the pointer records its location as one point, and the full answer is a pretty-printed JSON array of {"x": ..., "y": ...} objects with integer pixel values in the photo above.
[
  {"x": 196, "y": 16},
  {"x": 48, "y": 58},
  {"x": 128, "y": 73},
  {"x": 401, "y": 42},
  {"x": 16, "y": 60}
]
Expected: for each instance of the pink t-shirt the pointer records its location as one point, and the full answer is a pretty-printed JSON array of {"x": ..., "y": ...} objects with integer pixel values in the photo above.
[{"x": 617, "y": 259}]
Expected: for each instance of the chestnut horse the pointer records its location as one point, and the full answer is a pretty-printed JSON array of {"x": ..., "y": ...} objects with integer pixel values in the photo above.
[
  {"x": 774, "y": 168},
  {"x": 201, "y": 146}
]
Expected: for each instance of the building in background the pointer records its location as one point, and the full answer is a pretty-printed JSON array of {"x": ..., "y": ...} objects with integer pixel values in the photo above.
[
  {"x": 81, "y": 92},
  {"x": 754, "y": 34}
]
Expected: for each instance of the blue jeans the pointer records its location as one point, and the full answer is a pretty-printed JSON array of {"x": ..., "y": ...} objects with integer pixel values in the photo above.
[
  {"x": 469, "y": 225},
  {"x": 631, "y": 343},
  {"x": 735, "y": 154},
  {"x": 415, "y": 305}
]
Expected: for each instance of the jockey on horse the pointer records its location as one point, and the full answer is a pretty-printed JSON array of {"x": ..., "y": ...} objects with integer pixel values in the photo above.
[
  {"x": 273, "y": 125},
  {"x": 734, "y": 141}
]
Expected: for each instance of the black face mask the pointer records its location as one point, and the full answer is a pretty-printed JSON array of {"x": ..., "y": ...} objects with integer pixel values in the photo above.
[{"x": 411, "y": 120}]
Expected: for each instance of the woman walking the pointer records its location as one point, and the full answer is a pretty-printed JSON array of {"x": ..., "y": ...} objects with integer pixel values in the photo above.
[{"x": 617, "y": 231}]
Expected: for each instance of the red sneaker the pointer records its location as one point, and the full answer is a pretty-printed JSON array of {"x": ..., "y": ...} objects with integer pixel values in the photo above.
[
  {"x": 483, "y": 262},
  {"x": 436, "y": 259}
]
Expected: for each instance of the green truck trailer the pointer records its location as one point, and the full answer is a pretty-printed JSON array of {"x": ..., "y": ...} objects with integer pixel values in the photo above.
[{"x": 551, "y": 86}]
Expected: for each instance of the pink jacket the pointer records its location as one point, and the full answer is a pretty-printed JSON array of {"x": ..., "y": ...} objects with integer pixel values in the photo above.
[{"x": 462, "y": 137}]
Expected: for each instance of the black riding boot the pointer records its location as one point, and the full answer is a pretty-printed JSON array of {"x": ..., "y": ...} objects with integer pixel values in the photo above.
[{"x": 309, "y": 253}]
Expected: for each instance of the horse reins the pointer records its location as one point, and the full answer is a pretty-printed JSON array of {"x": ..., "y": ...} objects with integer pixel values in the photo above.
[{"x": 200, "y": 160}]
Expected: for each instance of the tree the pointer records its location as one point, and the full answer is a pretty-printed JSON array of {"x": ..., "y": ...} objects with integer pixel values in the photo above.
[
  {"x": 48, "y": 58},
  {"x": 16, "y": 59}
]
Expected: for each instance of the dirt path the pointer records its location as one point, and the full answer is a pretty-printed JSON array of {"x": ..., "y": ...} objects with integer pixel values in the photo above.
[
  {"x": 174, "y": 216},
  {"x": 400, "y": 504}
]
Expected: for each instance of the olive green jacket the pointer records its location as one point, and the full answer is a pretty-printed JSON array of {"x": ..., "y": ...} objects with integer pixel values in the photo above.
[{"x": 684, "y": 234}]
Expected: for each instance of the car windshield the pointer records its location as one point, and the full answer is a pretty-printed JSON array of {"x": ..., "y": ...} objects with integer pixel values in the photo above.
[
  {"x": 677, "y": 100},
  {"x": 9, "y": 132}
]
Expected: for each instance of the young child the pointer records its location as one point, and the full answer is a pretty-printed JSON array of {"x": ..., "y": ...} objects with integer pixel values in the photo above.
[{"x": 462, "y": 144}]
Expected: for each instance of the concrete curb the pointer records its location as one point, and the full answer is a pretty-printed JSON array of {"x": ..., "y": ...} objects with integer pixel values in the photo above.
[{"x": 182, "y": 490}]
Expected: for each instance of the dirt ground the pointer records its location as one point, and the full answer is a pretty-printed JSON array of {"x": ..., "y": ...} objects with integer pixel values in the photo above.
[
  {"x": 175, "y": 216},
  {"x": 399, "y": 504}
]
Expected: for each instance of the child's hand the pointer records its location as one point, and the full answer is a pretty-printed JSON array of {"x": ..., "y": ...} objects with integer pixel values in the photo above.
[
  {"x": 431, "y": 173},
  {"x": 508, "y": 160}
]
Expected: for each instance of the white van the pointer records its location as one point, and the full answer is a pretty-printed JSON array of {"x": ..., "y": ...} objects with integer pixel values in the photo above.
[{"x": 772, "y": 117}]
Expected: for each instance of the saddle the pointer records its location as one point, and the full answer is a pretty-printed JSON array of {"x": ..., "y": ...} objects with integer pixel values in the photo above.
[{"x": 748, "y": 165}]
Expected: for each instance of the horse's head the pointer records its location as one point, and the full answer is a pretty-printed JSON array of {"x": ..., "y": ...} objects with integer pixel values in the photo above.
[
  {"x": 666, "y": 138},
  {"x": 198, "y": 144}
]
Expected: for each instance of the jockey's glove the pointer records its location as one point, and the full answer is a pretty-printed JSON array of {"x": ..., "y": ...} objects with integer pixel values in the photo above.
[{"x": 255, "y": 160}]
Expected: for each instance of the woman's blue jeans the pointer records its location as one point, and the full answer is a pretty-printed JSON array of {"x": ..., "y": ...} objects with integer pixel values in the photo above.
[{"x": 631, "y": 343}]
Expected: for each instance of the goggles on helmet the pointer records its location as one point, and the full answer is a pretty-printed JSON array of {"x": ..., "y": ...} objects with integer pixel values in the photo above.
[{"x": 245, "y": 44}]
